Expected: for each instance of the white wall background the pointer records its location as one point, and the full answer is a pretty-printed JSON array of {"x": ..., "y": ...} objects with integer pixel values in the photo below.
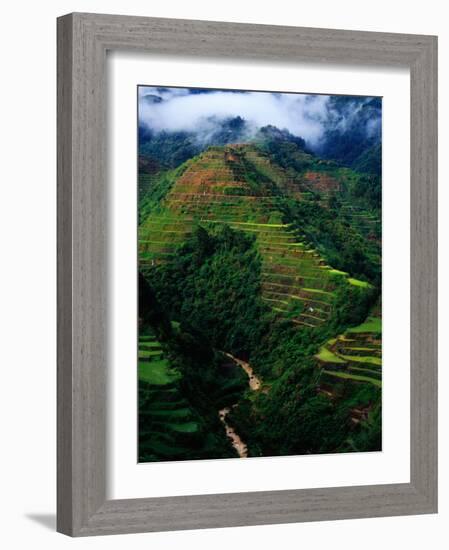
[{"x": 27, "y": 289}]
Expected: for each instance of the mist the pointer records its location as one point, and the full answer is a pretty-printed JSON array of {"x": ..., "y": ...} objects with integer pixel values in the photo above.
[{"x": 202, "y": 111}]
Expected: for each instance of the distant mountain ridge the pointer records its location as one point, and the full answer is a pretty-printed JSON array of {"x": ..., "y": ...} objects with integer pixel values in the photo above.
[
  {"x": 170, "y": 149},
  {"x": 352, "y": 134}
]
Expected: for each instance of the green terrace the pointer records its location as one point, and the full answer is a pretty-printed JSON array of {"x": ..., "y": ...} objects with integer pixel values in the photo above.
[
  {"x": 296, "y": 282},
  {"x": 367, "y": 223},
  {"x": 355, "y": 355},
  {"x": 351, "y": 368},
  {"x": 320, "y": 181},
  {"x": 168, "y": 427}
]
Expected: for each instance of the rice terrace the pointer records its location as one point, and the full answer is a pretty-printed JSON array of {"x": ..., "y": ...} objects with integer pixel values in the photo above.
[{"x": 259, "y": 237}]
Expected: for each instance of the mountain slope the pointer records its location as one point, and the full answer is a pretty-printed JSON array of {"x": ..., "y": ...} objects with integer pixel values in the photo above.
[
  {"x": 266, "y": 251},
  {"x": 237, "y": 185}
]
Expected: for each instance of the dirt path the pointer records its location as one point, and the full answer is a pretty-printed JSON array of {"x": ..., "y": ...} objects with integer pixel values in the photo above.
[{"x": 255, "y": 384}]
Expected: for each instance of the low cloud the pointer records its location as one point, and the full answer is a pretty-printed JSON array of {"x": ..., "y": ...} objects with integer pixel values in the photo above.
[{"x": 182, "y": 109}]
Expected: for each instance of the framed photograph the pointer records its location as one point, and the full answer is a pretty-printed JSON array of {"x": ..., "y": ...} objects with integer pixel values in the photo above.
[{"x": 247, "y": 274}]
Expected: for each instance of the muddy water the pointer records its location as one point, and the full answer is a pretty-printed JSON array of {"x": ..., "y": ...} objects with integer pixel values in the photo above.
[{"x": 255, "y": 384}]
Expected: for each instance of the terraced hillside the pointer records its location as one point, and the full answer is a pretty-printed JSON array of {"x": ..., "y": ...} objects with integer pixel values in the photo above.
[
  {"x": 316, "y": 245},
  {"x": 168, "y": 428},
  {"x": 238, "y": 185},
  {"x": 350, "y": 361},
  {"x": 260, "y": 261},
  {"x": 317, "y": 179},
  {"x": 354, "y": 355},
  {"x": 175, "y": 424}
]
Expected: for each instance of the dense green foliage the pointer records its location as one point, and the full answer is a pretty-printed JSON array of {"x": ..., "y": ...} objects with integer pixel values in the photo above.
[
  {"x": 330, "y": 232},
  {"x": 178, "y": 404},
  {"x": 212, "y": 286},
  {"x": 369, "y": 161},
  {"x": 292, "y": 417},
  {"x": 170, "y": 148},
  {"x": 278, "y": 266},
  {"x": 173, "y": 148}
]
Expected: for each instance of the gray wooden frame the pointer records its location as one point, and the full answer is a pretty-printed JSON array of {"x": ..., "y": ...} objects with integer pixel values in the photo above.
[{"x": 83, "y": 40}]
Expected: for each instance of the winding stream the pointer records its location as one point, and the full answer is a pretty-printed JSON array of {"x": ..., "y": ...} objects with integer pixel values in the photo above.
[{"x": 255, "y": 384}]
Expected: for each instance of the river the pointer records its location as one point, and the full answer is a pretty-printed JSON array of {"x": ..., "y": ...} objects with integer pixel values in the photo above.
[{"x": 255, "y": 384}]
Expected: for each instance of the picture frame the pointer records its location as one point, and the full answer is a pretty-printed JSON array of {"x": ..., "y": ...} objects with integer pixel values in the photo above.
[{"x": 83, "y": 41}]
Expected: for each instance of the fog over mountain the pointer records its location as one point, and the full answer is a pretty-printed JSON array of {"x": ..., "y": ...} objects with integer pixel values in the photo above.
[{"x": 337, "y": 127}]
